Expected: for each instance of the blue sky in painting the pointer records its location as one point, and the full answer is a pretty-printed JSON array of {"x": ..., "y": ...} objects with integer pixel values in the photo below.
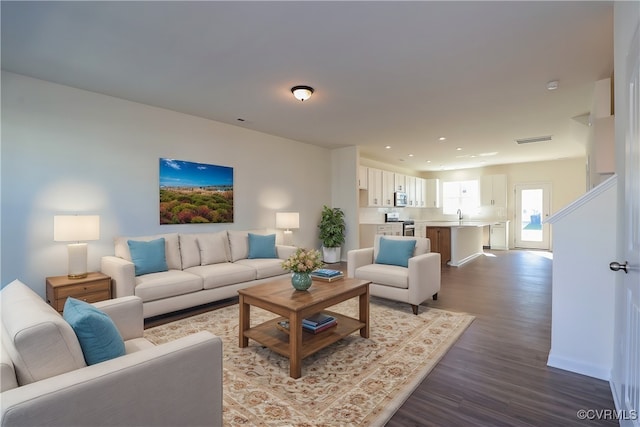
[{"x": 180, "y": 173}]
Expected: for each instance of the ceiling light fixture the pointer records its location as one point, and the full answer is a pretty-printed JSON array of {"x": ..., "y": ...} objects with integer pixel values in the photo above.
[
  {"x": 552, "y": 85},
  {"x": 534, "y": 139},
  {"x": 302, "y": 93},
  {"x": 442, "y": 138}
]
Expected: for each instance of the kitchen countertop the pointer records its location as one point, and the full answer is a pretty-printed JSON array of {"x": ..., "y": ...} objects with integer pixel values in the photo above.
[{"x": 462, "y": 223}]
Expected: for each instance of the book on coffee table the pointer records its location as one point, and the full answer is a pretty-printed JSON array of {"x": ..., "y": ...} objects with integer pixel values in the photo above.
[{"x": 326, "y": 278}]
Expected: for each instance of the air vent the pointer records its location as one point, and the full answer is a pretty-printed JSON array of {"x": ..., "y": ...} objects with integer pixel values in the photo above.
[{"x": 534, "y": 139}]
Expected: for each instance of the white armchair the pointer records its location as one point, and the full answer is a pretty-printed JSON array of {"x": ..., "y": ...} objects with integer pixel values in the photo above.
[
  {"x": 45, "y": 380},
  {"x": 413, "y": 284}
]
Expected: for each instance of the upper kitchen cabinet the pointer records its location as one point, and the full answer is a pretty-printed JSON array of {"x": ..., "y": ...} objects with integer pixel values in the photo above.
[
  {"x": 363, "y": 178},
  {"x": 374, "y": 187},
  {"x": 431, "y": 193},
  {"x": 400, "y": 182},
  {"x": 388, "y": 188},
  {"x": 411, "y": 191},
  {"x": 493, "y": 191}
]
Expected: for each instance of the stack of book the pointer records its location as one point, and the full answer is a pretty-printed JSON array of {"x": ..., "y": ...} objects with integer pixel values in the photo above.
[
  {"x": 318, "y": 322},
  {"x": 313, "y": 324},
  {"x": 327, "y": 274}
]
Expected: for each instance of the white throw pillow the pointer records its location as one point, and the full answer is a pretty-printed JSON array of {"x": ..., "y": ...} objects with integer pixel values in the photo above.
[{"x": 213, "y": 248}]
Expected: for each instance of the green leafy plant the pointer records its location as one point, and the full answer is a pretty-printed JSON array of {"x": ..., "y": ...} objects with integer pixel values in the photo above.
[{"x": 332, "y": 227}]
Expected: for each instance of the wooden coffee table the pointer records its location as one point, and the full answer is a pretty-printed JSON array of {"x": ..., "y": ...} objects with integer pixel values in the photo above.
[{"x": 281, "y": 298}]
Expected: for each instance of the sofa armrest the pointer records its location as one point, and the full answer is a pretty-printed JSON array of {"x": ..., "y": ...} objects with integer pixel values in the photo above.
[
  {"x": 177, "y": 383},
  {"x": 285, "y": 251},
  {"x": 356, "y": 258},
  {"x": 122, "y": 273},
  {"x": 425, "y": 271},
  {"x": 126, "y": 313}
]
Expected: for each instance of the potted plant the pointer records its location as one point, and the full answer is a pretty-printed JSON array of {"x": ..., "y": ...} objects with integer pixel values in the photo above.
[{"x": 332, "y": 229}]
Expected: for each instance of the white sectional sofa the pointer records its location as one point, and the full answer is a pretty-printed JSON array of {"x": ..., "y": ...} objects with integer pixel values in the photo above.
[
  {"x": 201, "y": 268},
  {"x": 44, "y": 379}
]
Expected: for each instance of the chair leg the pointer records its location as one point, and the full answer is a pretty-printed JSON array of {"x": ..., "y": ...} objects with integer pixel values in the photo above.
[
  {"x": 435, "y": 296},
  {"x": 415, "y": 309}
]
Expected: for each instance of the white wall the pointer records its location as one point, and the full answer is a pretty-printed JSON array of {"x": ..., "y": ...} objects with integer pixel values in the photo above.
[
  {"x": 583, "y": 288},
  {"x": 66, "y": 150}
]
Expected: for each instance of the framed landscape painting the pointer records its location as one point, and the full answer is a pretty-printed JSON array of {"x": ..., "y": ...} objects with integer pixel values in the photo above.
[{"x": 195, "y": 193}]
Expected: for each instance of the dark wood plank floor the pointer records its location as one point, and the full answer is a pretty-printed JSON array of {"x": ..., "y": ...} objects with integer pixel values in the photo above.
[{"x": 496, "y": 373}]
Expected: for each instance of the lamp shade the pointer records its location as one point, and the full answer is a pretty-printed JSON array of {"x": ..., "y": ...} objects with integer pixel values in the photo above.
[
  {"x": 76, "y": 228},
  {"x": 287, "y": 220}
]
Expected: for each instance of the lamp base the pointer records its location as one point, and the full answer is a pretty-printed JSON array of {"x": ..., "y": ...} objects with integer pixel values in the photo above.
[
  {"x": 77, "y": 261},
  {"x": 77, "y": 276}
]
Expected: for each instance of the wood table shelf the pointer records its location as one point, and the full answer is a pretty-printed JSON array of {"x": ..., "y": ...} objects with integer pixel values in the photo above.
[{"x": 280, "y": 298}]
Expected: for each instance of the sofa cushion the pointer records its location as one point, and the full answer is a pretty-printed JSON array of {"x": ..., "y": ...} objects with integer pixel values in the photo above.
[
  {"x": 167, "y": 284},
  {"x": 390, "y": 275},
  {"x": 148, "y": 257},
  {"x": 8, "y": 378},
  {"x": 171, "y": 249},
  {"x": 262, "y": 246},
  {"x": 98, "y": 335},
  {"x": 227, "y": 273},
  {"x": 189, "y": 250},
  {"x": 38, "y": 340},
  {"x": 213, "y": 247},
  {"x": 264, "y": 267},
  {"x": 395, "y": 252}
]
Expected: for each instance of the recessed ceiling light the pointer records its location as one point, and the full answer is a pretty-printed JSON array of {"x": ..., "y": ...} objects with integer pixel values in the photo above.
[
  {"x": 428, "y": 161},
  {"x": 459, "y": 149},
  {"x": 442, "y": 138},
  {"x": 552, "y": 85},
  {"x": 387, "y": 147},
  {"x": 410, "y": 155}
]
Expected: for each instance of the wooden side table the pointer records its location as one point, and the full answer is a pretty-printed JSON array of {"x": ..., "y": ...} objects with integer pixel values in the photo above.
[{"x": 93, "y": 288}]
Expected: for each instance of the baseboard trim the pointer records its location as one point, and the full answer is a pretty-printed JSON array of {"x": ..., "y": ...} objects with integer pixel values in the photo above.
[{"x": 579, "y": 367}]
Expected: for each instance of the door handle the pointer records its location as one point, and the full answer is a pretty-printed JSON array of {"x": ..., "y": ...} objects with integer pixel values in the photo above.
[{"x": 616, "y": 266}]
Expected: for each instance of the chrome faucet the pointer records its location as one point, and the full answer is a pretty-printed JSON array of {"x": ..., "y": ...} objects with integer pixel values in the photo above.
[{"x": 459, "y": 215}]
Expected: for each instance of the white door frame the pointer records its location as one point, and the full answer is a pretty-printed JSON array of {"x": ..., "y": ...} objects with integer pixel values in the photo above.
[{"x": 546, "y": 210}]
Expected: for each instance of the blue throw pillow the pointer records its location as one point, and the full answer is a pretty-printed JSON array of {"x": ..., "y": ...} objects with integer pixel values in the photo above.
[
  {"x": 99, "y": 338},
  {"x": 395, "y": 252},
  {"x": 262, "y": 246},
  {"x": 148, "y": 257}
]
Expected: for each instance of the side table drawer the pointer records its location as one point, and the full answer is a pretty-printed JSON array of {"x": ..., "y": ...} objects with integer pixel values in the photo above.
[
  {"x": 79, "y": 290},
  {"x": 90, "y": 298}
]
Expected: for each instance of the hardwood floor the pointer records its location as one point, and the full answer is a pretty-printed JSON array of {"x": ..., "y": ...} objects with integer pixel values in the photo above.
[{"x": 496, "y": 373}]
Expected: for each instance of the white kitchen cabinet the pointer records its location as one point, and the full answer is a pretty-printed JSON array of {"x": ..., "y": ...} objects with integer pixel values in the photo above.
[
  {"x": 374, "y": 187},
  {"x": 499, "y": 236},
  {"x": 388, "y": 187},
  {"x": 411, "y": 191},
  {"x": 432, "y": 193},
  {"x": 363, "y": 178},
  {"x": 420, "y": 192},
  {"x": 400, "y": 182},
  {"x": 493, "y": 191}
]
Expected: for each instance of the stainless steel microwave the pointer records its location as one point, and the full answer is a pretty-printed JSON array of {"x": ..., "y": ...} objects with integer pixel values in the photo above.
[{"x": 400, "y": 199}]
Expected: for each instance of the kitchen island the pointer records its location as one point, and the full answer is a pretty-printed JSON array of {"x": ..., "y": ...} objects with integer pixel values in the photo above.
[{"x": 457, "y": 241}]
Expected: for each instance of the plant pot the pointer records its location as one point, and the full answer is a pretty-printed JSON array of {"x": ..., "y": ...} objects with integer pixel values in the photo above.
[{"x": 331, "y": 255}]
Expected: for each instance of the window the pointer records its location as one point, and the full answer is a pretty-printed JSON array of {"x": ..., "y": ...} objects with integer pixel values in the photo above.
[{"x": 463, "y": 195}]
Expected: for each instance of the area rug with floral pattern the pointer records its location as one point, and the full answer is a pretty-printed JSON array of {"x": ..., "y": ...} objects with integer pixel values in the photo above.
[{"x": 354, "y": 382}]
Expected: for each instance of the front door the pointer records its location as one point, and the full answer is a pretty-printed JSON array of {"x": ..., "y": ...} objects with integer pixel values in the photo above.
[
  {"x": 533, "y": 204},
  {"x": 626, "y": 364}
]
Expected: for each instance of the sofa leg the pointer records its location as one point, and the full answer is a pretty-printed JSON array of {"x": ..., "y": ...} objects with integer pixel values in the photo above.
[
  {"x": 435, "y": 296},
  {"x": 415, "y": 309}
]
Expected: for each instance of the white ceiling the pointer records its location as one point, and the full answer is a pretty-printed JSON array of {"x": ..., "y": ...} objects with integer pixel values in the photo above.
[{"x": 401, "y": 74}]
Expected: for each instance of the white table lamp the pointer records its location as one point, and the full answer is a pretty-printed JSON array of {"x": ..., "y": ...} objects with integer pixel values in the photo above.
[
  {"x": 287, "y": 221},
  {"x": 76, "y": 228}
]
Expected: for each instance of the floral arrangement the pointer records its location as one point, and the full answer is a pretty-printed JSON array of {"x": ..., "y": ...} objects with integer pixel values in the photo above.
[{"x": 303, "y": 261}]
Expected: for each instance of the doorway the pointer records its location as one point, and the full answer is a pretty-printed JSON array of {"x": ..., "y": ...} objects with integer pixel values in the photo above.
[{"x": 533, "y": 204}]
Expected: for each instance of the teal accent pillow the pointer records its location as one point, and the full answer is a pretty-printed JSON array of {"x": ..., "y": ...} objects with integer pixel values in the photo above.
[
  {"x": 395, "y": 252},
  {"x": 99, "y": 338},
  {"x": 262, "y": 246},
  {"x": 148, "y": 257}
]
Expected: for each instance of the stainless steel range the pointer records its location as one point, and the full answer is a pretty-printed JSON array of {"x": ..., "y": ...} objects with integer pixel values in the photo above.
[{"x": 408, "y": 225}]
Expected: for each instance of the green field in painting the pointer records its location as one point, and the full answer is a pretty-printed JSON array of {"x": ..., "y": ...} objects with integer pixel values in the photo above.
[{"x": 193, "y": 205}]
